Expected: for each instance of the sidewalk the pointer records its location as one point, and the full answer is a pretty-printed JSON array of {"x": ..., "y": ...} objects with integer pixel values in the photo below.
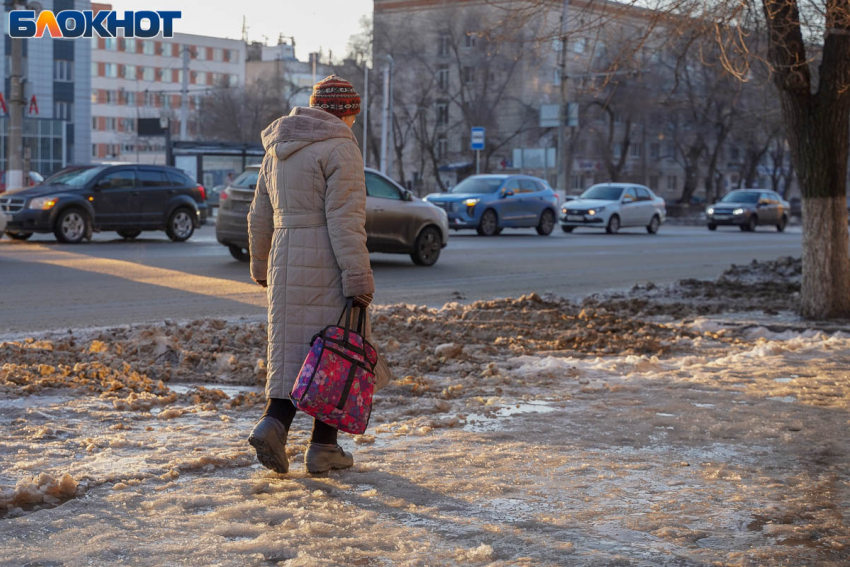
[{"x": 521, "y": 432}]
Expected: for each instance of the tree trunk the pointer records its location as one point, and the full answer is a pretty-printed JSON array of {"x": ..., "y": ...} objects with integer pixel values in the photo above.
[{"x": 819, "y": 141}]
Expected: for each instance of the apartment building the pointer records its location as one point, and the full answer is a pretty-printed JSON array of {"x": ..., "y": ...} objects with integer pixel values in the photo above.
[
  {"x": 136, "y": 78},
  {"x": 278, "y": 65},
  {"x": 57, "y": 86}
]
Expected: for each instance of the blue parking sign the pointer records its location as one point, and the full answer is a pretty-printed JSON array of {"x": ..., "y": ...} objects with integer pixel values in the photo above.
[{"x": 476, "y": 139}]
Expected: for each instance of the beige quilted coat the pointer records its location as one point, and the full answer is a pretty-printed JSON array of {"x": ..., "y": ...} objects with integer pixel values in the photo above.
[{"x": 307, "y": 233}]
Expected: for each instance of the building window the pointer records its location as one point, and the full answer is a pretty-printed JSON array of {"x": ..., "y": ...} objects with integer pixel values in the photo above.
[
  {"x": 234, "y": 56},
  {"x": 63, "y": 70},
  {"x": 442, "y": 147},
  {"x": 654, "y": 150},
  {"x": 580, "y": 45},
  {"x": 653, "y": 182},
  {"x": 148, "y": 74},
  {"x": 443, "y": 77},
  {"x": 442, "y": 113},
  {"x": 201, "y": 53},
  {"x": 218, "y": 54},
  {"x": 443, "y": 44},
  {"x": 636, "y": 150},
  {"x": 129, "y": 124},
  {"x": 110, "y": 70},
  {"x": 166, "y": 75},
  {"x": 233, "y": 80},
  {"x": 470, "y": 39},
  {"x": 130, "y": 45},
  {"x": 149, "y": 48},
  {"x": 556, "y": 76},
  {"x": 618, "y": 150},
  {"x": 202, "y": 77},
  {"x": 130, "y": 72},
  {"x": 468, "y": 75},
  {"x": 63, "y": 111},
  {"x": 95, "y": 71},
  {"x": 130, "y": 98},
  {"x": 94, "y": 122},
  {"x": 672, "y": 183},
  {"x": 94, "y": 96},
  {"x": 111, "y": 124},
  {"x": 110, "y": 97},
  {"x": 94, "y": 150},
  {"x": 111, "y": 43}
]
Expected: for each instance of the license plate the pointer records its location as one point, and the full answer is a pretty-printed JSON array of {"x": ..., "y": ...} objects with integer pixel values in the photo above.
[
  {"x": 578, "y": 218},
  {"x": 723, "y": 217}
]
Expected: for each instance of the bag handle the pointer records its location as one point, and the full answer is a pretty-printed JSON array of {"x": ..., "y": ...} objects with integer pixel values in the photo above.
[{"x": 348, "y": 314}]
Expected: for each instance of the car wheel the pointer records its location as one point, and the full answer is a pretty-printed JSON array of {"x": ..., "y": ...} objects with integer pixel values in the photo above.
[
  {"x": 567, "y": 229},
  {"x": 18, "y": 235},
  {"x": 489, "y": 223},
  {"x": 613, "y": 225},
  {"x": 752, "y": 223},
  {"x": 71, "y": 226},
  {"x": 546, "y": 224},
  {"x": 653, "y": 225},
  {"x": 712, "y": 227},
  {"x": 782, "y": 224},
  {"x": 128, "y": 234},
  {"x": 239, "y": 253},
  {"x": 426, "y": 249},
  {"x": 180, "y": 226}
]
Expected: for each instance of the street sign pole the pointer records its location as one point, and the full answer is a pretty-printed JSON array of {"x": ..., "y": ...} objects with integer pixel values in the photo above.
[{"x": 476, "y": 144}]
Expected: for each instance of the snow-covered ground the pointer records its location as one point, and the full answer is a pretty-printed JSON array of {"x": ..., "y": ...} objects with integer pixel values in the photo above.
[{"x": 519, "y": 432}]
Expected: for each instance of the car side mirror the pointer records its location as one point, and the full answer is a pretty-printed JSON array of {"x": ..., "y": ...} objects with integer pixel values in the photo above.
[
  {"x": 102, "y": 184},
  {"x": 508, "y": 193},
  {"x": 407, "y": 195}
]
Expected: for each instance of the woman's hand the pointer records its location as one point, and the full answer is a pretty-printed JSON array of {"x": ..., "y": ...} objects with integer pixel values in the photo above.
[
  {"x": 363, "y": 301},
  {"x": 262, "y": 283}
]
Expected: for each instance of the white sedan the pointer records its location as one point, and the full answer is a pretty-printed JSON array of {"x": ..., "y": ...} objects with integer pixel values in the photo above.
[{"x": 613, "y": 206}]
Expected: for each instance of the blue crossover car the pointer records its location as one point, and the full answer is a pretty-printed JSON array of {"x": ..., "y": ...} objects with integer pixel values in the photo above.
[{"x": 489, "y": 203}]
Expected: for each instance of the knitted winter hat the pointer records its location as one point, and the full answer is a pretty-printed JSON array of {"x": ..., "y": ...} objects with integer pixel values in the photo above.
[{"x": 335, "y": 95}]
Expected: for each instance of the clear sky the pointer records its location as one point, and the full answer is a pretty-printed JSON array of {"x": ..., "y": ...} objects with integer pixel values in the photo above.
[{"x": 314, "y": 23}]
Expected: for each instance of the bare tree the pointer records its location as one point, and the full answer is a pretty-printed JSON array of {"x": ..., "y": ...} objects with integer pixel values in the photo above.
[{"x": 240, "y": 114}]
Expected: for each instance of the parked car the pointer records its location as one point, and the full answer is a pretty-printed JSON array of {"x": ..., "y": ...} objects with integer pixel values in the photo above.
[
  {"x": 2, "y": 223},
  {"x": 490, "y": 203},
  {"x": 125, "y": 198},
  {"x": 396, "y": 221},
  {"x": 613, "y": 206},
  {"x": 749, "y": 208},
  {"x": 34, "y": 178}
]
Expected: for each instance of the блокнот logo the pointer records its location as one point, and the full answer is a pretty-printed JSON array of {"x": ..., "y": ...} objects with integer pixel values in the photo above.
[{"x": 85, "y": 23}]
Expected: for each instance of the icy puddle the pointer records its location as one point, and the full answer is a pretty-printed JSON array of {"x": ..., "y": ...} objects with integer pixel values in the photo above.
[{"x": 478, "y": 422}]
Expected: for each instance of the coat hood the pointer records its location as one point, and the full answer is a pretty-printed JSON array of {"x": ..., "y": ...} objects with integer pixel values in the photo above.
[{"x": 303, "y": 127}]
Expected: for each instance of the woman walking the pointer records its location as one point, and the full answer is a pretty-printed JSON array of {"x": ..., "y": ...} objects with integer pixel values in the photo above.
[{"x": 308, "y": 247}]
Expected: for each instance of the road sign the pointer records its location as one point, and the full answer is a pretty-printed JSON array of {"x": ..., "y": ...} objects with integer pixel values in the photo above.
[{"x": 476, "y": 140}]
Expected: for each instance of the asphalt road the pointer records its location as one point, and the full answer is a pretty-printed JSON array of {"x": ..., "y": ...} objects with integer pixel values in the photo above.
[{"x": 45, "y": 285}]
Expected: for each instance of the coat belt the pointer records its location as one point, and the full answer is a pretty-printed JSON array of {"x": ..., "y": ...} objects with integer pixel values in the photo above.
[{"x": 299, "y": 220}]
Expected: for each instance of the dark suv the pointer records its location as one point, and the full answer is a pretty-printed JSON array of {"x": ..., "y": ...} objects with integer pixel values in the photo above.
[{"x": 125, "y": 198}]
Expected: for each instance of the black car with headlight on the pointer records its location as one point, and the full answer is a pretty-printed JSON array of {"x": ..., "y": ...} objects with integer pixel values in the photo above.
[
  {"x": 126, "y": 198},
  {"x": 748, "y": 209}
]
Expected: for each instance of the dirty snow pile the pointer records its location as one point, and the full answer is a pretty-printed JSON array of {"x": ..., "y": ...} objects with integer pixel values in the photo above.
[{"x": 531, "y": 431}]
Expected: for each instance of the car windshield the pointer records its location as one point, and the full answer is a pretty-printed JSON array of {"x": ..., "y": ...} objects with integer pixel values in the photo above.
[
  {"x": 477, "y": 185},
  {"x": 603, "y": 193},
  {"x": 247, "y": 180},
  {"x": 75, "y": 177},
  {"x": 741, "y": 197}
]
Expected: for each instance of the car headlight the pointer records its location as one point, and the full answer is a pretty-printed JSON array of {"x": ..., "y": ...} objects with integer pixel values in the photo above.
[
  {"x": 43, "y": 203},
  {"x": 738, "y": 212},
  {"x": 471, "y": 202},
  {"x": 710, "y": 210},
  {"x": 564, "y": 210},
  {"x": 592, "y": 212}
]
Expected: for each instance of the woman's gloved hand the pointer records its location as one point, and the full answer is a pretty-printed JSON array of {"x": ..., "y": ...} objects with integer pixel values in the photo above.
[{"x": 363, "y": 301}]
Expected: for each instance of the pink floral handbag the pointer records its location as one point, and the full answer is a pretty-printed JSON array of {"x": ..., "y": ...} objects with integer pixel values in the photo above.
[{"x": 337, "y": 380}]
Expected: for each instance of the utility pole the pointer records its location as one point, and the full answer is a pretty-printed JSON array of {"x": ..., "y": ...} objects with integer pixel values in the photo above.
[
  {"x": 15, "y": 173},
  {"x": 184, "y": 105},
  {"x": 565, "y": 113},
  {"x": 365, "y": 112},
  {"x": 385, "y": 122}
]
